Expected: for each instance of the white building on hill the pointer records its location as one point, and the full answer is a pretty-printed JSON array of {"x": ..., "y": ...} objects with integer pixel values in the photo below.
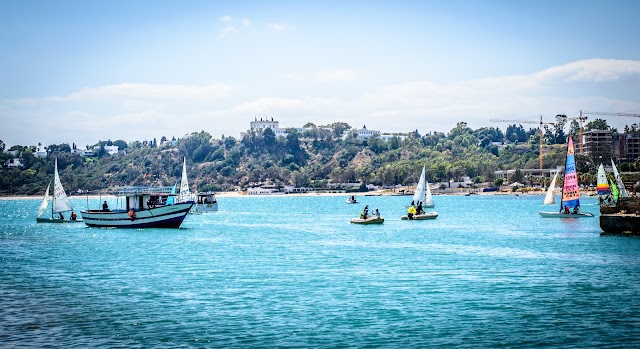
[{"x": 263, "y": 124}]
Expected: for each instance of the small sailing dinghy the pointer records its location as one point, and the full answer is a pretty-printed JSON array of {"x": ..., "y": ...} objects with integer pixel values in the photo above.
[
  {"x": 185, "y": 194},
  {"x": 570, "y": 204},
  {"x": 59, "y": 203},
  {"x": 351, "y": 200},
  {"x": 550, "y": 199},
  {"x": 602, "y": 187},
  {"x": 423, "y": 195},
  {"x": 619, "y": 182}
]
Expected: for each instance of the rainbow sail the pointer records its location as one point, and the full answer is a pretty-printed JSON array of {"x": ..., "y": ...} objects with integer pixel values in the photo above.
[
  {"x": 570, "y": 189},
  {"x": 603, "y": 185}
]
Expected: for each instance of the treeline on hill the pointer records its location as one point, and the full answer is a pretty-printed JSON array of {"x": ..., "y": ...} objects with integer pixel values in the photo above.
[{"x": 311, "y": 159}]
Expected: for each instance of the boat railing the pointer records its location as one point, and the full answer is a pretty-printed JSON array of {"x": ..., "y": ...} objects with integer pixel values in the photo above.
[{"x": 138, "y": 190}]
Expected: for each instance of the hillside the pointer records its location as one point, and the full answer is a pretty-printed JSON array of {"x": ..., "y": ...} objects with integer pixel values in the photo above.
[{"x": 314, "y": 159}]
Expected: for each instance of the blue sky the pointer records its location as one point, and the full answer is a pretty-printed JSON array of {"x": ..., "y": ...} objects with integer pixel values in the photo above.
[{"x": 84, "y": 71}]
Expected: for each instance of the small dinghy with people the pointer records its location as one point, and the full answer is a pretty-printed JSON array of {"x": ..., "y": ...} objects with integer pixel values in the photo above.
[
  {"x": 351, "y": 200},
  {"x": 366, "y": 218}
]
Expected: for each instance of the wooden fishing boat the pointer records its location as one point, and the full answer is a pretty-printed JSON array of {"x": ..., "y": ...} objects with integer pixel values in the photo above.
[{"x": 145, "y": 208}]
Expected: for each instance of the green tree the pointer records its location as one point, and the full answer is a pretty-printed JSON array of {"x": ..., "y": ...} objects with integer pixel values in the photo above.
[
  {"x": 338, "y": 128},
  {"x": 597, "y": 124}
]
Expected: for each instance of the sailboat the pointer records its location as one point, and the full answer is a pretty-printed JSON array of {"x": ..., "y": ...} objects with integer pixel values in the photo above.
[
  {"x": 185, "y": 194},
  {"x": 59, "y": 203},
  {"x": 422, "y": 194},
  {"x": 602, "y": 186},
  {"x": 550, "y": 199},
  {"x": 570, "y": 204},
  {"x": 621, "y": 188}
]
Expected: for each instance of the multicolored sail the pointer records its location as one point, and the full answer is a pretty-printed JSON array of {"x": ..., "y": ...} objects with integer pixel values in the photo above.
[
  {"x": 614, "y": 191},
  {"x": 616, "y": 175},
  {"x": 570, "y": 189},
  {"x": 603, "y": 184}
]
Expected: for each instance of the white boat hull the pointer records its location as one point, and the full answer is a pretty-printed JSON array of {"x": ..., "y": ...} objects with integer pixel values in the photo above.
[
  {"x": 371, "y": 220},
  {"x": 565, "y": 215},
  {"x": 421, "y": 217},
  {"x": 170, "y": 216},
  {"x": 204, "y": 208}
]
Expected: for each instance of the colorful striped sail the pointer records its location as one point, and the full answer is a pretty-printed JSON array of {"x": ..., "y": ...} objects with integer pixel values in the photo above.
[
  {"x": 603, "y": 185},
  {"x": 614, "y": 191},
  {"x": 570, "y": 189}
]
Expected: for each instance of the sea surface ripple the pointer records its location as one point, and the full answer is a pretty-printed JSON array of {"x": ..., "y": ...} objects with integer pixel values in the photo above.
[{"x": 290, "y": 271}]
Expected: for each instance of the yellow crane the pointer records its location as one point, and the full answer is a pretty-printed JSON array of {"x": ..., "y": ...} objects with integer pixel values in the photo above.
[{"x": 529, "y": 122}]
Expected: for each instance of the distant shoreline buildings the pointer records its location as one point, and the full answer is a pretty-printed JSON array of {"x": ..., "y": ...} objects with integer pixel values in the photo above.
[{"x": 273, "y": 125}]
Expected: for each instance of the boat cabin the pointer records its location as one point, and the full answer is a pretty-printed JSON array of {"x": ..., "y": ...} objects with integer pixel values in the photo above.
[
  {"x": 144, "y": 201},
  {"x": 144, "y": 198},
  {"x": 206, "y": 198}
]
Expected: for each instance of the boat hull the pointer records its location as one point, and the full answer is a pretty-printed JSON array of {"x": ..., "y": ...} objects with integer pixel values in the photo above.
[
  {"x": 56, "y": 220},
  {"x": 421, "y": 217},
  {"x": 622, "y": 219},
  {"x": 620, "y": 224},
  {"x": 565, "y": 215},
  {"x": 204, "y": 208},
  {"x": 372, "y": 220},
  {"x": 170, "y": 216}
]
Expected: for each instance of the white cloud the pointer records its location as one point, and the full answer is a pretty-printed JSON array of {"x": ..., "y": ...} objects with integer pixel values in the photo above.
[
  {"x": 336, "y": 75},
  {"x": 277, "y": 27},
  {"x": 225, "y": 19},
  {"x": 594, "y": 70},
  {"x": 246, "y": 22},
  {"x": 228, "y": 30},
  {"x": 142, "y": 111}
]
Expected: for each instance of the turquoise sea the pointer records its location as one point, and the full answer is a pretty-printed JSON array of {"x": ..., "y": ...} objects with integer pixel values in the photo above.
[{"x": 290, "y": 271}]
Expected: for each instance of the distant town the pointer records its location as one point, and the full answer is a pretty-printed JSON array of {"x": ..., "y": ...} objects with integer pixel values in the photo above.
[{"x": 268, "y": 158}]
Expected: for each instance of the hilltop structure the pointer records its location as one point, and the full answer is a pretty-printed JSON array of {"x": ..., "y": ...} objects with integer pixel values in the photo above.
[{"x": 273, "y": 125}]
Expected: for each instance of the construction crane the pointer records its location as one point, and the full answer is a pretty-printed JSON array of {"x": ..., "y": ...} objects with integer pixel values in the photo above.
[
  {"x": 530, "y": 122},
  {"x": 581, "y": 119},
  {"x": 607, "y": 113}
]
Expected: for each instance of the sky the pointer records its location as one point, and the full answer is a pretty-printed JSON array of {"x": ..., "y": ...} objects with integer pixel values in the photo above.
[{"x": 85, "y": 71}]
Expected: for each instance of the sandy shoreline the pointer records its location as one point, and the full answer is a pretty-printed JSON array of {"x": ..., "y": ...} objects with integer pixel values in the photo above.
[{"x": 243, "y": 194}]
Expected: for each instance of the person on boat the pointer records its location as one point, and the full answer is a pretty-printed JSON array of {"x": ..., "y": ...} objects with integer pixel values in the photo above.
[
  {"x": 566, "y": 209},
  {"x": 413, "y": 203},
  {"x": 410, "y": 212},
  {"x": 575, "y": 210},
  {"x": 73, "y": 216},
  {"x": 377, "y": 213},
  {"x": 61, "y": 216},
  {"x": 105, "y": 206},
  {"x": 366, "y": 212},
  {"x": 419, "y": 210}
]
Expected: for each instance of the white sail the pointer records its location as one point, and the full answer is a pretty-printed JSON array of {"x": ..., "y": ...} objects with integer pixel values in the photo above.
[
  {"x": 623, "y": 191},
  {"x": 549, "y": 199},
  {"x": 419, "y": 194},
  {"x": 428, "y": 200},
  {"x": 45, "y": 201},
  {"x": 185, "y": 193},
  {"x": 60, "y": 200}
]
